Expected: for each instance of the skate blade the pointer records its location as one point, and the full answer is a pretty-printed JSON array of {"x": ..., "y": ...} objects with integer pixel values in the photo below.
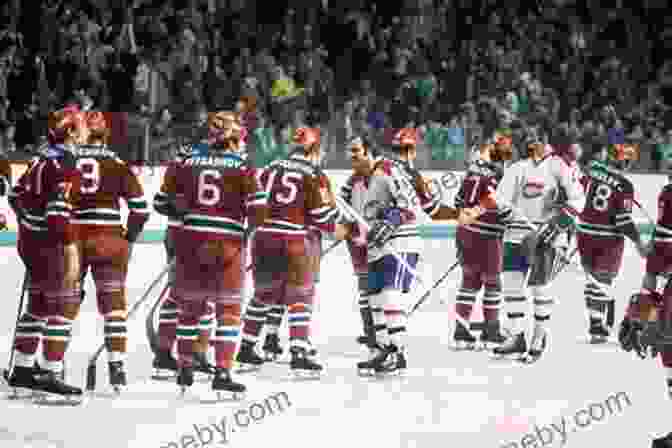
[
  {"x": 50, "y": 399},
  {"x": 388, "y": 374},
  {"x": 464, "y": 347},
  {"x": 20, "y": 393},
  {"x": 507, "y": 356},
  {"x": 365, "y": 372},
  {"x": 306, "y": 375},
  {"x": 163, "y": 374},
  {"x": 223, "y": 396},
  {"x": 247, "y": 368}
]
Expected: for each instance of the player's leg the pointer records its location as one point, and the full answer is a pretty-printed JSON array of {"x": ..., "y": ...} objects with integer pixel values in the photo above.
[
  {"x": 227, "y": 310},
  {"x": 492, "y": 296},
  {"x": 601, "y": 259},
  {"x": 472, "y": 261},
  {"x": 108, "y": 255},
  {"x": 543, "y": 266},
  {"x": 360, "y": 266},
  {"x": 33, "y": 321},
  {"x": 196, "y": 280},
  {"x": 514, "y": 269},
  {"x": 60, "y": 287},
  {"x": 164, "y": 364},
  {"x": 299, "y": 295},
  {"x": 269, "y": 273}
]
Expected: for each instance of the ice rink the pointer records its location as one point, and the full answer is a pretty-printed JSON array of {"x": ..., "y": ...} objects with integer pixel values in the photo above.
[{"x": 446, "y": 399}]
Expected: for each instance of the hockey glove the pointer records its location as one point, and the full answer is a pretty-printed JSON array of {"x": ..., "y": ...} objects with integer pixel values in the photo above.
[
  {"x": 3, "y": 222},
  {"x": 382, "y": 229},
  {"x": 645, "y": 338},
  {"x": 549, "y": 232}
]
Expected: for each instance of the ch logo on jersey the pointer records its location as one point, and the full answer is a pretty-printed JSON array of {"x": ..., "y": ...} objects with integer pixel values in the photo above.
[{"x": 533, "y": 188}]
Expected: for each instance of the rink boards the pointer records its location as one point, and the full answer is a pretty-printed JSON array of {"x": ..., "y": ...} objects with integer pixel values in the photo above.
[{"x": 648, "y": 186}]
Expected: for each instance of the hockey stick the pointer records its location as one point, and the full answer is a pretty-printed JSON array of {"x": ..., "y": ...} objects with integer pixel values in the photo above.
[
  {"x": 7, "y": 373},
  {"x": 429, "y": 291},
  {"x": 149, "y": 321},
  {"x": 91, "y": 368}
]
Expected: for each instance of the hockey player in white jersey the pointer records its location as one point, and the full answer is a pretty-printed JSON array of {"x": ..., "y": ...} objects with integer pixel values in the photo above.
[
  {"x": 535, "y": 239},
  {"x": 398, "y": 200}
]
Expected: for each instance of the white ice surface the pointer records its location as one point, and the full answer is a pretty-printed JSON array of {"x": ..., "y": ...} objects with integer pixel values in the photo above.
[{"x": 446, "y": 399}]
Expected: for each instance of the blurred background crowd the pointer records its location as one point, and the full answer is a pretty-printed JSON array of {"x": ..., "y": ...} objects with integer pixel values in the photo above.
[{"x": 456, "y": 69}]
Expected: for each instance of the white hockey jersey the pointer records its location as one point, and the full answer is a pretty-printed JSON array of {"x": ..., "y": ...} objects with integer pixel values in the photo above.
[
  {"x": 531, "y": 188},
  {"x": 392, "y": 185}
]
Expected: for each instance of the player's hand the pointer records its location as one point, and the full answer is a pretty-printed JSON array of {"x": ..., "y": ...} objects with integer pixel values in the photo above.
[
  {"x": 3, "y": 222},
  {"x": 469, "y": 215}
]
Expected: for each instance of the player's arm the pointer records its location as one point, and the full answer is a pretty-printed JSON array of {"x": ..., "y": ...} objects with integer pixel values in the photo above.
[
  {"x": 165, "y": 199},
  {"x": 138, "y": 208},
  {"x": 321, "y": 208},
  {"x": 623, "y": 216}
]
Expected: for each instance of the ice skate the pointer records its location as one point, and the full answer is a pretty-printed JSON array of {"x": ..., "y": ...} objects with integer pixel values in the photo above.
[
  {"x": 387, "y": 362},
  {"x": 185, "y": 378},
  {"x": 223, "y": 385},
  {"x": 164, "y": 366},
  {"x": 302, "y": 366},
  {"x": 599, "y": 333},
  {"x": 248, "y": 359},
  {"x": 537, "y": 347},
  {"x": 202, "y": 365},
  {"x": 515, "y": 345},
  {"x": 271, "y": 348},
  {"x": 366, "y": 368},
  {"x": 669, "y": 388},
  {"x": 463, "y": 339},
  {"x": 51, "y": 390},
  {"x": 663, "y": 442},
  {"x": 117, "y": 376},
  {"x": 492, "y": 336},
  {"x": 22, "y": 383}
]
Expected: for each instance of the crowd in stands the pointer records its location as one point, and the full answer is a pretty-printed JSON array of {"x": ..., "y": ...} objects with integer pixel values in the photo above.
[{"x": 458, "y": 70}]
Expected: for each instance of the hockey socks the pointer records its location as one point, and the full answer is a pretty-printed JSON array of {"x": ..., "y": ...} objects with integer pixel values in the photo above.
[
  {"x": 226, "y": 334},
  {"x": 254, "y": 320},
  {"x": 274, "y": 318},
  {"x": 167, "y": 323}
]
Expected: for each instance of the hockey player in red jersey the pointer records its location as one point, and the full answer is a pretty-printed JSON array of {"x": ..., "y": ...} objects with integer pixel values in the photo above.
[
  {"x": 648, "y": 319},
  {"x": 5, "y": 185},
  {"x": 44, "y": 201},
  {"x": 164, "y": 364},
  {"x": 284, "y": 267},
  {"x": 105, "y": 245},
  {"x": 213, "y": 194},
  {"x": 482, "y": 237},
  {"x": 606, "y": 219}
]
